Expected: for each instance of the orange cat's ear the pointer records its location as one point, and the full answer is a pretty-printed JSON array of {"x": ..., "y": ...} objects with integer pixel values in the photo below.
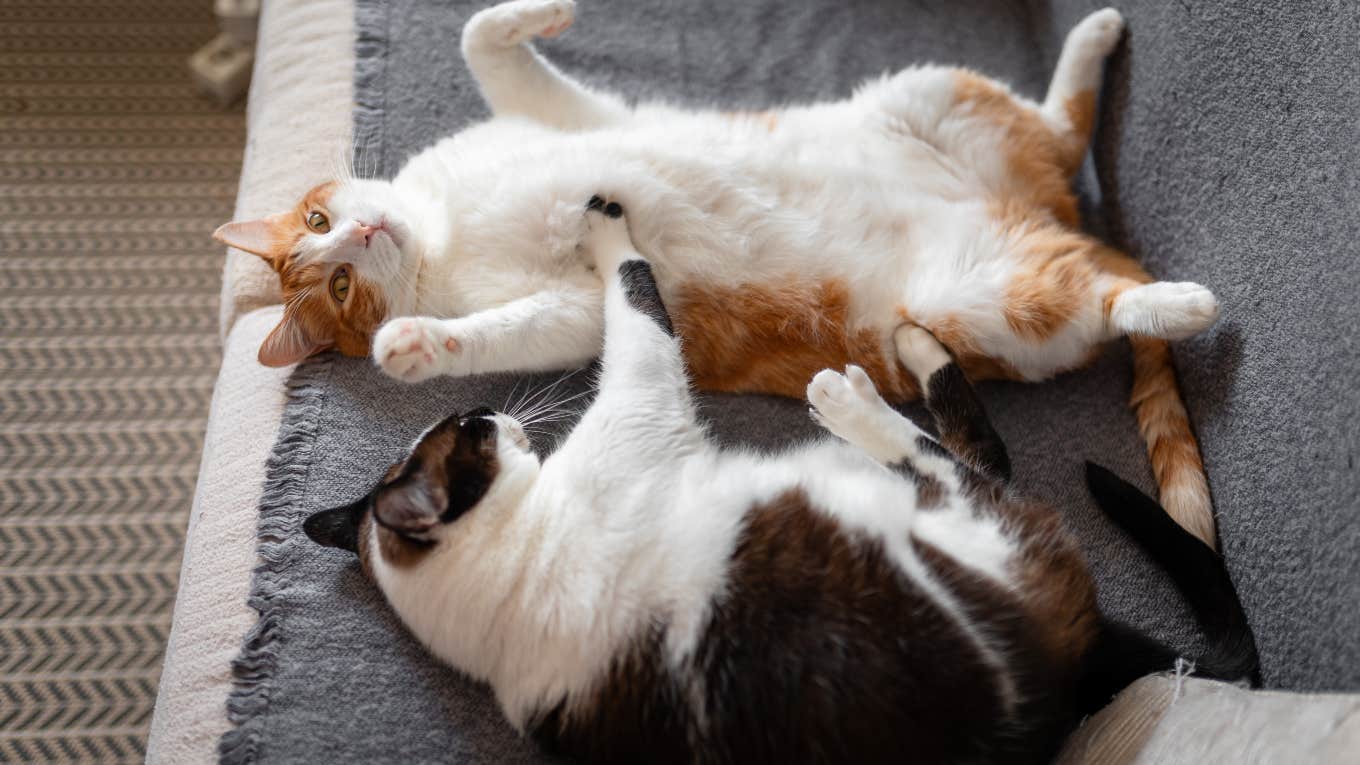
[
  {"x": 253, "y": 236},
  {"x": 288, "y": 344}
]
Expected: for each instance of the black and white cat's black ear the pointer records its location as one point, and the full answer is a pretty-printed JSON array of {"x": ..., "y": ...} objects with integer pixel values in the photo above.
[
  {"x": 337, "y": 527},
  {"x": 411, "y": 506}
]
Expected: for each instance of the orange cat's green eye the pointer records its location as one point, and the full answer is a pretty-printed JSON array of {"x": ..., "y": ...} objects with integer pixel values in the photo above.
[
  {"x": 340, "y": 285},
  {"x": 318, "y": 223}
]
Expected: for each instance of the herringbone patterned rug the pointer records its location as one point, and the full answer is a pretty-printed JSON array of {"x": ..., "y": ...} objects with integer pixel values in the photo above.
[{"x": 112, "y": 174}]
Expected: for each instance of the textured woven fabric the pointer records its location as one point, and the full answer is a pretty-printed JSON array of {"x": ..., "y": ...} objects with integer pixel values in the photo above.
[
  {"x": 1164, "y": 719},
  {"x": 328, "y": 671},
  {"x": 113, "y": 171},
  {"x": 219, "y": 552},
  {"x": 298, "y": 123},
  {"x": 1229, "y": 154},
  {"x": 326, "y": 648}
]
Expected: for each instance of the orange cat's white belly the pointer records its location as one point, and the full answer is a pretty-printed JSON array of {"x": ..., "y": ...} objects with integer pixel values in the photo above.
[{"x": 780, "y": 255}]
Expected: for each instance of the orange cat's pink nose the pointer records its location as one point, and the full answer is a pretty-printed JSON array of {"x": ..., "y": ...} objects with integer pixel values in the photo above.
[{"x": 366, "y": 232}]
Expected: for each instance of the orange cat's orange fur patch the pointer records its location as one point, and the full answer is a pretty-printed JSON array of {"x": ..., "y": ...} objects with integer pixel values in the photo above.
[
  {"x": 1081, "y": 114},
  {"x": 1040, "y": 162},
  {"x": 287, "y": 229},
  {"x": 347, "y": 327},
  {"x": 1127, "y": 273},
  {"x": 1055, "y": 269},
  {"x": 774, "y": 338},
  {"x": 308, "y": 305},
  {"x": 1171, "y": 444}
]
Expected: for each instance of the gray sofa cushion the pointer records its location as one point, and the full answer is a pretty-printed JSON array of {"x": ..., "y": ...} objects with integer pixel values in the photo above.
[
  {"x": 1229, "y": 154},
  {"x": 328, "y": 672}
]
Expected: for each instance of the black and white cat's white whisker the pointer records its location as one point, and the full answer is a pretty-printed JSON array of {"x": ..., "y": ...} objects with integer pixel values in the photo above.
[
  {"x": 533, "y": 398},
  {"x": 552, "y": 418},
  {"x": 544, "y": 398},
  {"x": 510, "y": 396},
  {"x": 552, "y": 410},
  {"x": 525, "y": 400}
]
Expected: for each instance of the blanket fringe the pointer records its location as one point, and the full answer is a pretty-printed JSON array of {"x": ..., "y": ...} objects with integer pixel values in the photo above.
[{"x": 281, "y": 510}]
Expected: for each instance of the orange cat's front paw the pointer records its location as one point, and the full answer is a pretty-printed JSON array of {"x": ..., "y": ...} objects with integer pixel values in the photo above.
[{"x": 414, "y": 349}]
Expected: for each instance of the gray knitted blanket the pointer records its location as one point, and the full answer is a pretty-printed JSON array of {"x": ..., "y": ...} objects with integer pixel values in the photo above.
[{"x": 329, "y": 673}]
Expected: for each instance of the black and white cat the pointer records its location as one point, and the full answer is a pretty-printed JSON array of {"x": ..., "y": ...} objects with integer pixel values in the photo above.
[{"x": 642, "y": 595}]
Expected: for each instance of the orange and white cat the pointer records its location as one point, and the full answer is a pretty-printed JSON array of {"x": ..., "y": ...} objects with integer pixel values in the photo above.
[{"x": 784, "y": 241}]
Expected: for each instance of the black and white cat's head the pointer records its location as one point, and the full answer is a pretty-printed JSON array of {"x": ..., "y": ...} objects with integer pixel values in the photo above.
[{"x": 473, "y": 463}]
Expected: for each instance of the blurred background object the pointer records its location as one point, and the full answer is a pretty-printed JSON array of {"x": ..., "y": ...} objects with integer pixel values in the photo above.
[
  {"x": 222, "y": 67},
  {"x": 113, "y": 172}
]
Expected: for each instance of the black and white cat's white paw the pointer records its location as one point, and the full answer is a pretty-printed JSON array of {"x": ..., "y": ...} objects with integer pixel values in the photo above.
[
  {"x": 606, "y": 241},
  {"x": 516, "y": 22},
  {"x": 414, "y": 348},
  {"x": 609, "y": 246},
  {"x": 849, "y": 406}
]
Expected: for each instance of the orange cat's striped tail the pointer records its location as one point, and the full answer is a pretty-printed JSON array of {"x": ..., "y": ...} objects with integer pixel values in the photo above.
[{"x": 1171, "y": 444}]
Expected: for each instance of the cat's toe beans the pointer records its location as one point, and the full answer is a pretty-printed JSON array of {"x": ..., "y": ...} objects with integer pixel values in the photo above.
[
  {"x": 607, "y": 236},
  {"x": 839, "y": 399},
  {"x": 828, "y": 388},
  {"x": 410, "y": 349},
  {"x": 860, "y": 381},
  {"x": 608, "y": 209},
  {"x": 512, "y": 23}
]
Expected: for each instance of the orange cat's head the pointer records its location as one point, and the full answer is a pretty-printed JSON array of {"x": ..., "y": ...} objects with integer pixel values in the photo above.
[{"x": 341, "y": 263}]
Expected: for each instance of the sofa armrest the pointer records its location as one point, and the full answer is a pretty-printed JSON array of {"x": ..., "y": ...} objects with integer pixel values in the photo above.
[{"x": 298, "y": 128}]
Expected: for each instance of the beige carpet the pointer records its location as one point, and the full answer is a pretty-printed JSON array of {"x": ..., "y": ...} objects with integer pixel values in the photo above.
[{"x": 113, "y": 172}]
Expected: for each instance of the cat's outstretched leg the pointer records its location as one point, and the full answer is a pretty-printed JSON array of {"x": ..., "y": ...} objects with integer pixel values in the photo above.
[
  {"x": 959, "y": 417},
  {"x": 558, "y": 329},
  {"x": 1070, "y": 106},
  {"x": 642, "y": 376},
  {"x": 516, "y": 80},
  {"x": 850, "y": 407}
]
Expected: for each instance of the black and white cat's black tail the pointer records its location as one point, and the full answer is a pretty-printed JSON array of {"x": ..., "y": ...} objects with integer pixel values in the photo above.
[{"x": 1122, "y": 654}]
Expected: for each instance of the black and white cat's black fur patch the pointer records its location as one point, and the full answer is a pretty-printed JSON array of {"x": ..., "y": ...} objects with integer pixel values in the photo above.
[{"x": 642, "y": 595}]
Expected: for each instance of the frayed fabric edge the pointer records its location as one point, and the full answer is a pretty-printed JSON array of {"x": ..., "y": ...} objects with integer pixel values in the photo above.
[
  {"x": 281, "y": 508},
  {"x": 371, "y": 20},
  {"x": 291, "y": 459}
]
